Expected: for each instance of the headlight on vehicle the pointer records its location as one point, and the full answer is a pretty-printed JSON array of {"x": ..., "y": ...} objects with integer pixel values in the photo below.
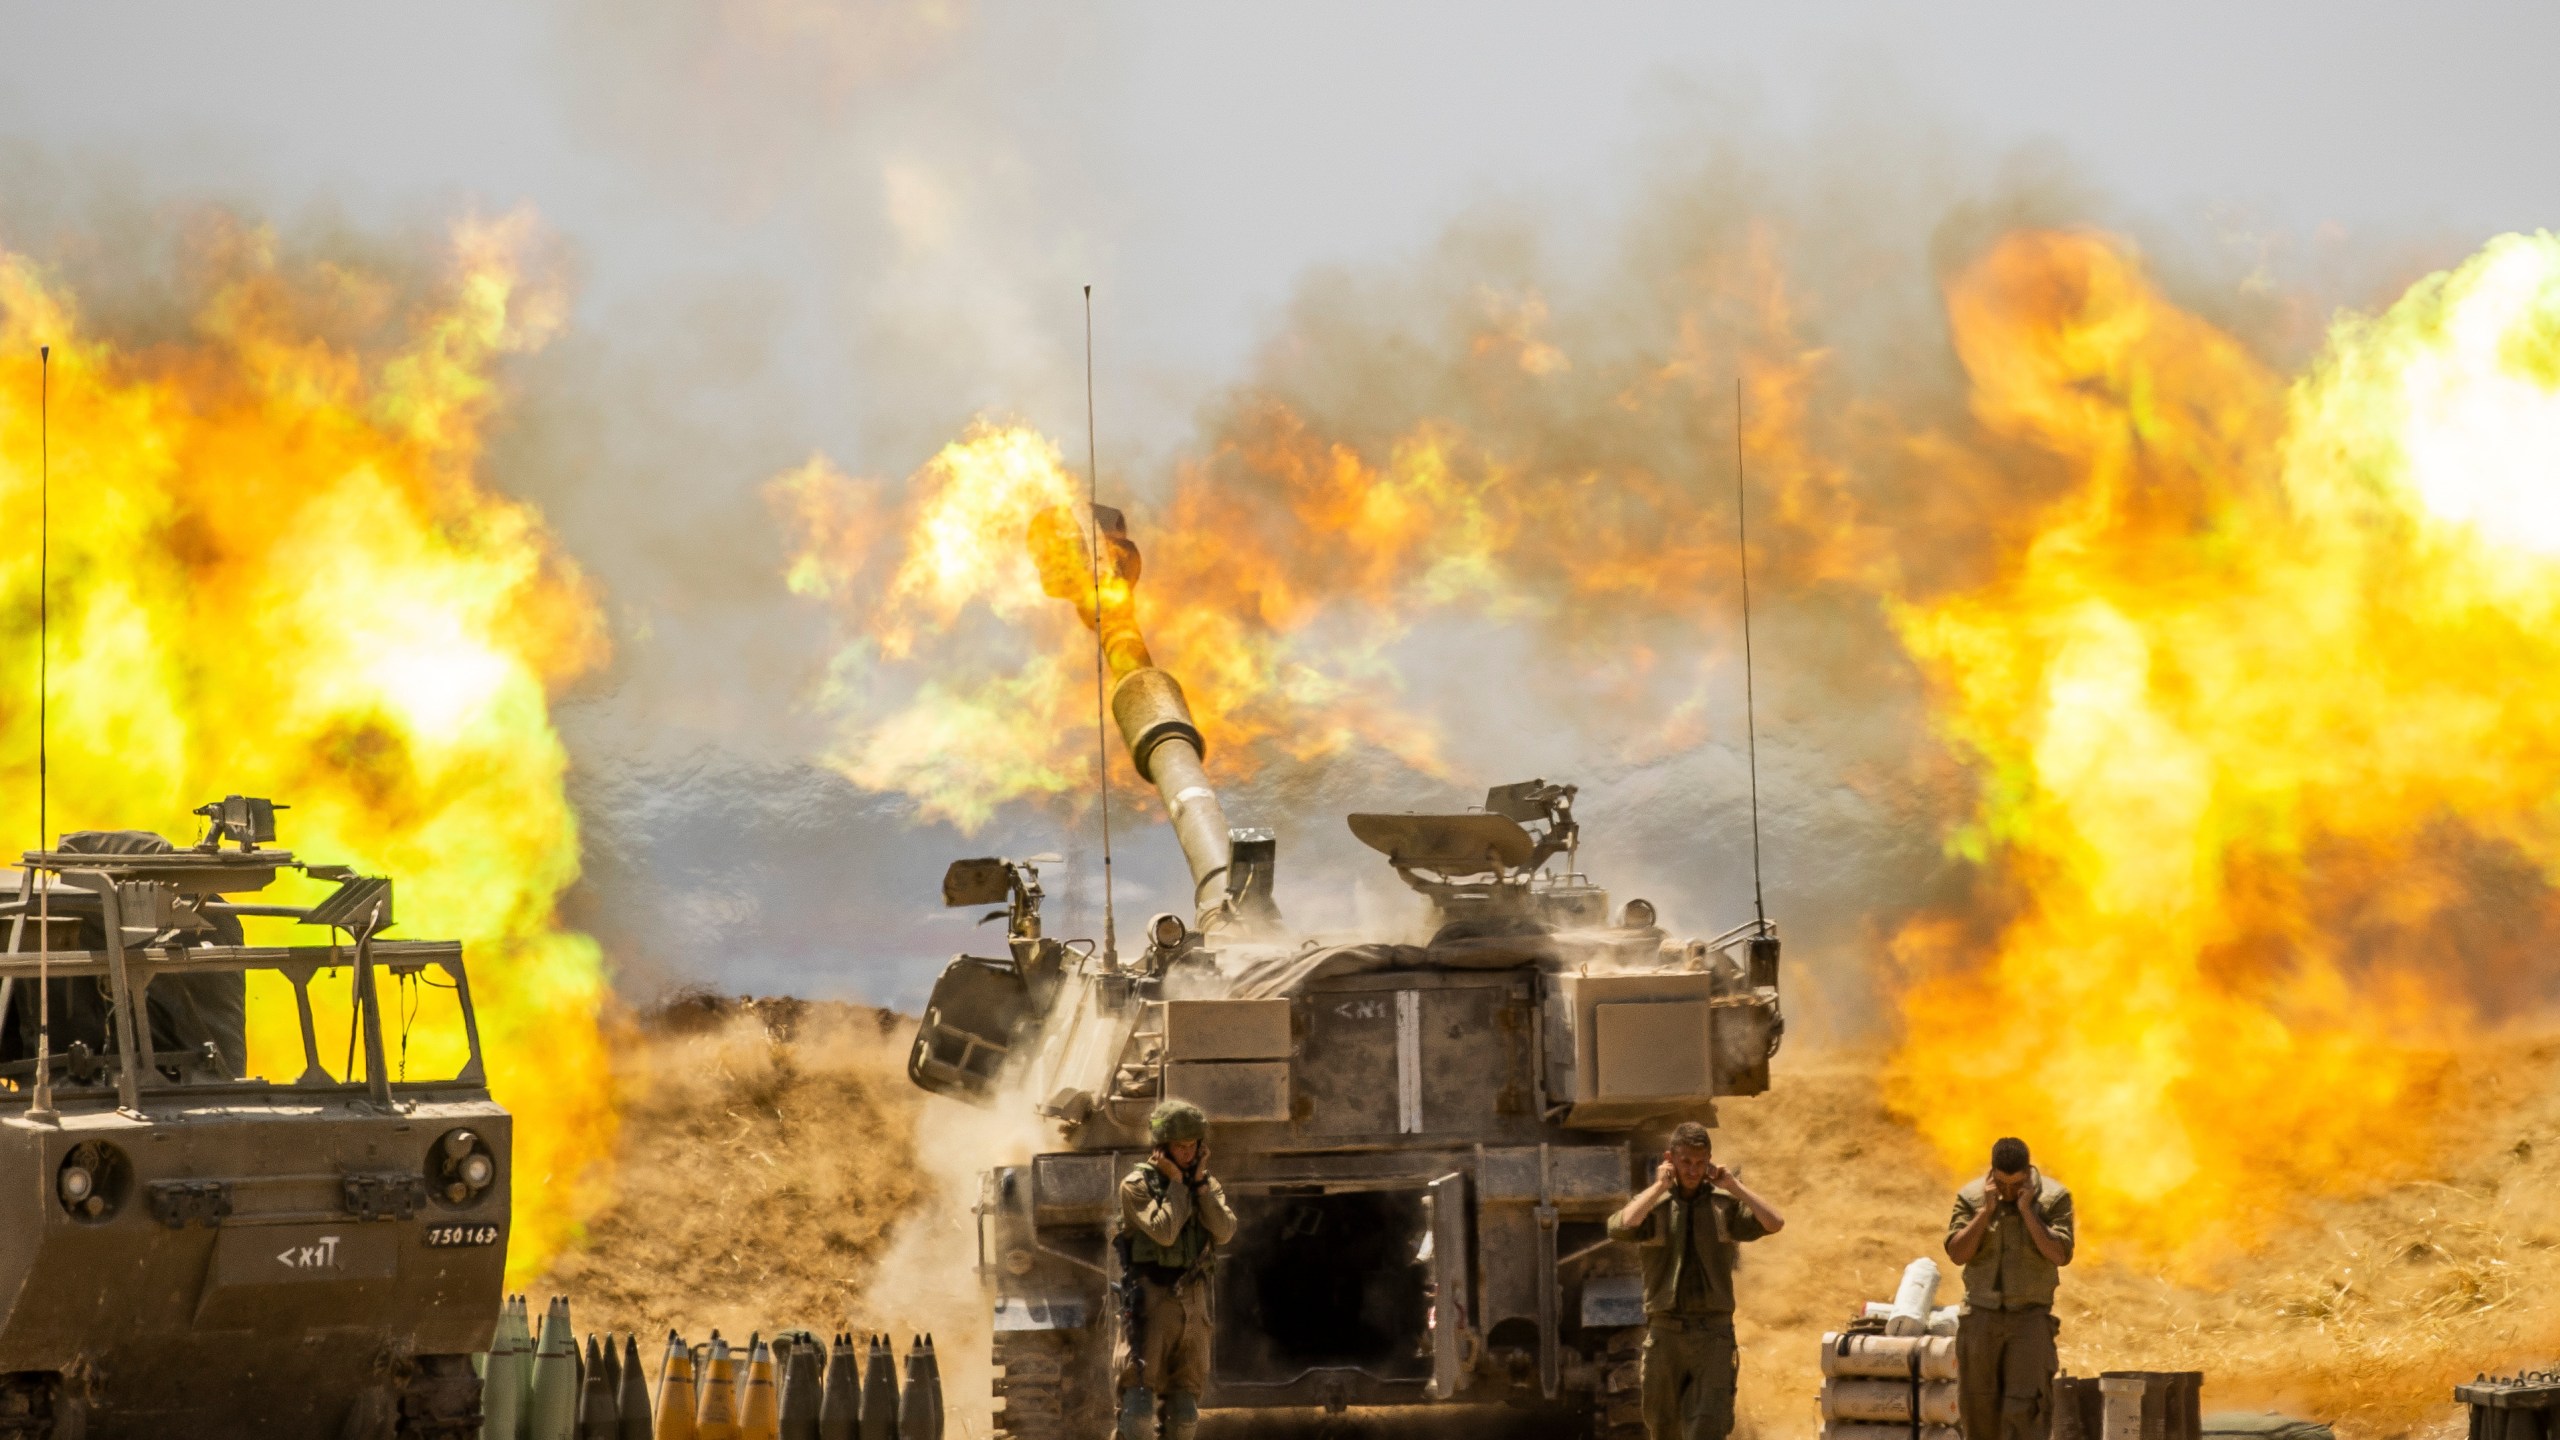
[
  {"x": 461, "y": 1167},
  {"x": 93, "y": 1181}
]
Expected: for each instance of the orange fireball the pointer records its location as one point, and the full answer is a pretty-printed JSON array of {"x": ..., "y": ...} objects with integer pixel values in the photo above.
[
  {"x": 277, "y": 570},
  {"x": 2252, "y": 706}
]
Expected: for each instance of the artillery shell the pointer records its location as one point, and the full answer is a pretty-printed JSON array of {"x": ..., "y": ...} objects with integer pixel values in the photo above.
[
  {"x": 718, "y": 1419},
  {"x": 635, "y": 1395},
  {"x": 599, "y": 1413},
  {"x": 933, "y": 1382},
  {"x": 915, "y": 1399},
  {"x": 802, "y": 1394},
  {"x": 677, "y": 1394},
  {"x": 757, "y": 1418},
  {"x": 840, "y": 1407},
  {"x": 502, "y": 1384},
  {"x": 879, "y": 1392},
  {"x": 555, "y": 1377}
]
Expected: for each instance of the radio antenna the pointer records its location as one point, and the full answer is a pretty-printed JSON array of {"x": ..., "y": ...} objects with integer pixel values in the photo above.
[
  {"x": 1750, "y": 724},
  {"x": 1093, "y": 558},
  {"x": 44, "y": 584},
  {"x": 40, "y": 1106}
]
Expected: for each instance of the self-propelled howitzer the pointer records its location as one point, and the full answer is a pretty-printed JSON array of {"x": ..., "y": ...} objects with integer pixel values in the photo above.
[{"x": 1422, "y": 1138}]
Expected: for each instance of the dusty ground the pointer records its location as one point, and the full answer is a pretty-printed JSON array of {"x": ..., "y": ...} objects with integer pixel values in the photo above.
[
  {"x": 768, "y": 1154},
  {"x": 2363, "y": 1311},
  {"x": 780, "y": 1171}
]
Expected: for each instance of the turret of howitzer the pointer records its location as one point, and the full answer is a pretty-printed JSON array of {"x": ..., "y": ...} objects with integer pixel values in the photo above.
[{"x": 982, "y": 1006}]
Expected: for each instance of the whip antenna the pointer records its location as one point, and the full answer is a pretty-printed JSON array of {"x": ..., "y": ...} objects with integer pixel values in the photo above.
[
  {"x": 1750, "y": 726},
  {"x": 1093, "y": 559},
  {"x": 40, "y": 1107},
  {"x": 44, "y": 580}
]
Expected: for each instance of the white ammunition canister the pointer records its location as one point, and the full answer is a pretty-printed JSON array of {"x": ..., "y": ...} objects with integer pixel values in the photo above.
[
  {"x": 1888, "y": 1357},
  {"x": 1888, "y": 1402},
  {"x": 2121, "y": 1395},
  {"x": 1914, "y": 1299}
]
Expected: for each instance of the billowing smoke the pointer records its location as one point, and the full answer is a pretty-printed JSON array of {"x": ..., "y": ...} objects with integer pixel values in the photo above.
[{"x": 2107, "y": 730}]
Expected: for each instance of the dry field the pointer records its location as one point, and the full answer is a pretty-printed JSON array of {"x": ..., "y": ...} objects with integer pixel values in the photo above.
[{"x": 779, "y": 1171}]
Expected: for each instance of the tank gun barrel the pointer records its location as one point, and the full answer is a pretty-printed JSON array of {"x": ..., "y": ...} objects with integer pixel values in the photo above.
[
  {"x": 1148, "y": 705},
  {"x": 1166, "y": 747}
]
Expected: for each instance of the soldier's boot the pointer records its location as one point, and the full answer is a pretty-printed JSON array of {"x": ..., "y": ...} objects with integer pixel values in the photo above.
[
  {"x": 1181, "y": 1415},
  {"x": 1137, "y": 1413}
]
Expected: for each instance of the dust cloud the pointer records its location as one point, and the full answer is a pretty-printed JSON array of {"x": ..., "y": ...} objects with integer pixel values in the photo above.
[{"x": 782, "y": 1173}]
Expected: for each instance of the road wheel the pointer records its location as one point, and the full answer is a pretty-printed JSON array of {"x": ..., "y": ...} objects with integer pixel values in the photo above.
[
  {"x": 439, "y": 1399},
  {"x": 1052, "y": 1385},
  {"x": 1617, "y": 1412},
  {"x": 36, "y": 1405}
]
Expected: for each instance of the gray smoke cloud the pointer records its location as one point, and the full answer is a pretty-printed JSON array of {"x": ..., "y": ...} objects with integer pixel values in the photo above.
[
  {"x": 900, "y": 147},
  {"x": 905, "y": 200}
]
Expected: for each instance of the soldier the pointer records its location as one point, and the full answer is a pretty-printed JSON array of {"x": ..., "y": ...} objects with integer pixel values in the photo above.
[
  {"x": 2012, "y": 1233},
  {"x": 1173, "y": 1215},
  {"x": 1686, "y": 1233}
]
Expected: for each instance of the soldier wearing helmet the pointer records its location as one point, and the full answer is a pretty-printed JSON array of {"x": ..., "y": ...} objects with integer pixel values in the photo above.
[
  {"x": 1686, "y": 1232},
  {"x": 1173, "y": 1216}
]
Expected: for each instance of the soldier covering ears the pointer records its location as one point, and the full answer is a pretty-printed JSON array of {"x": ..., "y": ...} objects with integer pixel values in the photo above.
[
  {"x": 1173, "y": 1216},
  {"x": 2012, "y": 1233},
  {"x": 1686, "y": 1231}
]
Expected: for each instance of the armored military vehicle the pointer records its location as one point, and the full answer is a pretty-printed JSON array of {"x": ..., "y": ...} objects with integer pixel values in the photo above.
[
  {"x": 190, "y": 1249},
  {"x": 1422, "y": 1139}
]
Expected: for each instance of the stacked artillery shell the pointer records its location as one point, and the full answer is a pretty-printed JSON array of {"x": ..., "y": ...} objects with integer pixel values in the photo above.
[
  {"x": 612, "y": 1372},
  {"x": 1870, "y": 1382},
  {"x": 933, "y": 1383},
  {"x": 677, "y": 1396},
  {"x": 803, "y": 1394},
  {"x": 554, "y": 1414},
  {"x": 599, "y": 1408},
  {"x": 840, "y": 1405},
  {"x": 525, "y": 1332},
  {"x": 502, "y": 1382},
  {"x": 718, "y": 1419},
  {"x": 920, "y": 1401},
  {"x": 757, "y": 1414},
  {"x": 879, "y": 1393},
  {"x": 915, "y": 1420},
  {"x": 634, "y": 1395}
]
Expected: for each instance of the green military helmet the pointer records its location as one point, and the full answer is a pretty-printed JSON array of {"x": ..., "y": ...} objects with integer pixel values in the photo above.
[{"x": 1175, "y": 1121}]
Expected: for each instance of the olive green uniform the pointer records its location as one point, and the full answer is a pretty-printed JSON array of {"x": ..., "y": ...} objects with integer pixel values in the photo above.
[
  {"x": 1174, "y": 1228},
  {"x": 2004, "y": 1343},
  {"x": 1690, "y": 1364}
]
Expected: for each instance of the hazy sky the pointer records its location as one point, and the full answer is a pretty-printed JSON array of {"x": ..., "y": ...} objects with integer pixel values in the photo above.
[
  {"x": 1196, "y": 161},
  {"x": 851, "y": 227}
]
